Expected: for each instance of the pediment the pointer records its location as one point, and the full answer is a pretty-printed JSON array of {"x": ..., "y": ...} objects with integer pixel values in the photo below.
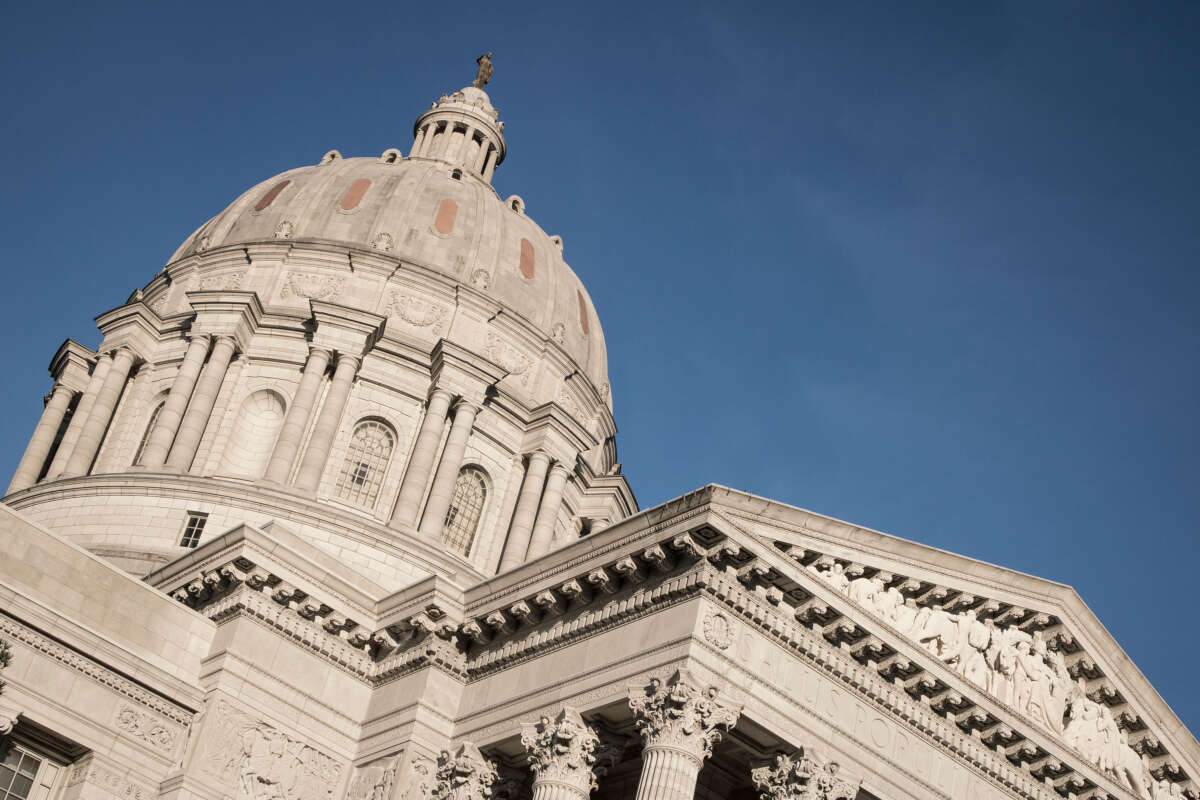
[{"x": 986, "y": 646}]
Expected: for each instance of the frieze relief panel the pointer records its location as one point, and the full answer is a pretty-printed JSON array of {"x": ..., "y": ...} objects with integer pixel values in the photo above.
[
  {"x": 96, "y": 775},
  {"x": 374, "y": 782},
  {"x": 1015, "y": 666},
  {"x": 225, "y": 281},
  {"x": 256, "y": 761},
  {"x": 501, "y": 352},
  {"x": 417, "y": 312},
  {"x": 147, "y": 728},
  {"x": 313, "y": 287}
]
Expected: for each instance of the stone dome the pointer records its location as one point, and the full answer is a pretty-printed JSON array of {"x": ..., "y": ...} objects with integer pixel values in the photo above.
[{"x": 427, "y": 213}]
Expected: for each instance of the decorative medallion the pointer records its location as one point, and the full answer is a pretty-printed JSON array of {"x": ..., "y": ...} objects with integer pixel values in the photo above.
[
  {"x": 481, "y": 279},
  {"x": 202, "y": 243},
  {"x": 558, "y": 332},
  {"x": 146, "y": 727},
  {"x": 509, "y": 357},
  {"x": 284, "y": 229},
  {"x": 717, "y": 631}
]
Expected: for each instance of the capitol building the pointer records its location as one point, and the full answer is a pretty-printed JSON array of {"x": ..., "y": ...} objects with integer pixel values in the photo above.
[{"x": 334, "y": 511}]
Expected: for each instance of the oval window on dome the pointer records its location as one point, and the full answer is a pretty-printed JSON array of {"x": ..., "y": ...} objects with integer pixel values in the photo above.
[
  {"x": 354, "y": 194},
  {"x": 270, "y": 196},
  {"x": 583, "y": 311},
  {"x": 527, "y": 264},
  {"x": 447, "y": 211}
]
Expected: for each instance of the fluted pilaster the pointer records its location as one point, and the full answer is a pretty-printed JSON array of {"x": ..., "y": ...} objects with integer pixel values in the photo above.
[
  {"x": 543, "y": 530},
  {"x": 167, "y": 424},
  {"x": 442, "y": 491},
  {"x": 523, "y": 517},
  {"x": 420, "y": 466},
  {"x": 92, "y": 432},
  {"x": 291, "y": 434},
  {"x": 328, "y": 420},
  {"x": 199, "y": 410},
  {"x": 679, "y": 724},
  {"x": 43, "y": 438}
]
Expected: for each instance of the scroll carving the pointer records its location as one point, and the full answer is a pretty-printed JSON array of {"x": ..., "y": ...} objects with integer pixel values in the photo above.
[
  {"x": 464, "y": 775},
  {"x": 258, "y": 761},
  {"x": 146, "y": 727},
  {"x": 509, "y": 357},
  {"x": 800, "y": 777},
  {"x": 676, "y": 713},
  {"x": 562, "y": 750}
]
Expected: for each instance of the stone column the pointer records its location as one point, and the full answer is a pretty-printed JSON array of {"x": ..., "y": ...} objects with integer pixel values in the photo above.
[
  {"x": 527, "y": 503},
  {"x": 195, "y": 419},
  {"x": 679, "y": 724},
  {"x": 543, "y": 530},
  {"x": 92, "y": 432},
  {"x": 484, "y": 148},
  {"x": 442, "y": 491},
  {"x": 330, "y": 417},
  {"x": 562, "y": 756},
  {"x": 799, "y": 776},
  {"x": 418, "y": 141},
  {"x": 79, "y": 418},
  {"x": 42, "y": 439},
  {"x": 292, "y": 431},
  {"x": 420, "y": 465},
  {"x": 489, "y": 166},
  {"x": 463, "y": 774},
  {"x": 167, "y": 424}
]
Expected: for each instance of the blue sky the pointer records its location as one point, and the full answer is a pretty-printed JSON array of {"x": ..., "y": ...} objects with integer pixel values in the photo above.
[{"x": 930, "y": 269}]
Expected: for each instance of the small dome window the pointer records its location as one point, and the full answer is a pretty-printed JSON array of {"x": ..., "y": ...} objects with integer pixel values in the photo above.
[
  {"x": 446, "y": 213},
  {"x": 583, "y": 311},
  {"x": 270, "y": 196},
  {"x": 456, "y": 174},
  {"x": 330, "y": 157},
  {"x": 354, "y": 194},
  {"x": 516, "y": 204},
  {"x": 527, "y": 260},
  {"x": 390, "y": 156}
]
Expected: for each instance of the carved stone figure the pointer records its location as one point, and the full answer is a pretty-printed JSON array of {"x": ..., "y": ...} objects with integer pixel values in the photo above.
[
  {"x": 484, "y": 73},
  {"x": 374, "y": 782}
]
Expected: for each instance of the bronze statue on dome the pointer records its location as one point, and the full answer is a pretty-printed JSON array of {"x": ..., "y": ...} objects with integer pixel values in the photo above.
[{"x": 484, "y": 73}]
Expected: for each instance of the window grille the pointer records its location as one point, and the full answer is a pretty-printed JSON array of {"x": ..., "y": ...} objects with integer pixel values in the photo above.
[
  {"x": 141, "y": 448},
  {"x": 26, "y": 776},
  {"x": 191, "y": 531},
  {"x": 365, "y": 463},
  {"x": 466, "y": 508}
]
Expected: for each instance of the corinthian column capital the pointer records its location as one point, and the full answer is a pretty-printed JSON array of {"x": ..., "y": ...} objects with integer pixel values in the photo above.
[
  {"x": 799, "y": 777},
  {"x": 563, "y": 751},
  {"x": 679, "y": 715},
  {"x": 464, "y": 774}
]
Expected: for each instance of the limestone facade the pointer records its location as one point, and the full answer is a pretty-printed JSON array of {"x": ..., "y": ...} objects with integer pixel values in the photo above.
[{"x": 333, "y": 511}]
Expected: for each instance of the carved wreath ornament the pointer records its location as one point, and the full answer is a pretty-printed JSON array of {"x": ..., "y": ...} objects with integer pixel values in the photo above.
[{"x": 717, "y": 631}]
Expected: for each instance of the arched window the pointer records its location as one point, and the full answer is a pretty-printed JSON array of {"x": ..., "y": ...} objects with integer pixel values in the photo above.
[
  {"x": 365, "y": 463},
  {"x": 470, "y": 492},
  {"x": 141, "y": 448}
]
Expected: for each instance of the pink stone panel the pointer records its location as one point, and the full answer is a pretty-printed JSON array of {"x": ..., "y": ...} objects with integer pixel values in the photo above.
[
  {"x": 583, "y": 311},
  {"x": 270, "y": 196},
  {"x": 354, "y": 194},
  {"x": 527, "y": 258},
  {"x": 447, "y": 211}
]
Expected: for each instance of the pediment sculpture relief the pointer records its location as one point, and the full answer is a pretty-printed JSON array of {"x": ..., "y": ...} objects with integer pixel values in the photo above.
[{"x": 1014, "y": 666}]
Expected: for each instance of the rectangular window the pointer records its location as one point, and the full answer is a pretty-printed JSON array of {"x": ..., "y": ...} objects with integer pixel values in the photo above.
[
  {"x": 191, "y": 532},
  {"x": 25, "y": 776}
]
